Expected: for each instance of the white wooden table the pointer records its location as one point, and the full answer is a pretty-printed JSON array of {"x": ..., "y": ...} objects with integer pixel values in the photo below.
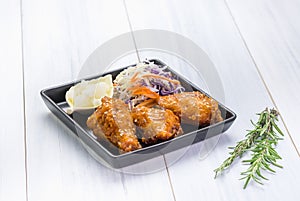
[{"x": 255, "y": 45}]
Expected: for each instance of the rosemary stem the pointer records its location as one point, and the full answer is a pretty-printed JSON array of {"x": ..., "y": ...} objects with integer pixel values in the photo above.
[{"x": 261, "y": 141}]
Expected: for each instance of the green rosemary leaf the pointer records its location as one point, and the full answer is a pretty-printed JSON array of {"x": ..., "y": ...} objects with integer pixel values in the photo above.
[
  {"x": 256, "y": 180},
  {"x": 247, "y": 161},
  {"x": 247, "y": 181},
  {"x": 259, "y": 174},
  {"x": 277, "y": 128},
  {"x": 268, "y": 167},
  {"x": 277, "y": 165},
  {"x": 244, "y": 177}
]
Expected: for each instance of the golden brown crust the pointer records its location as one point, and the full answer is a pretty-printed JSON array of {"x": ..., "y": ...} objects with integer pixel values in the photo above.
[
  {"x": 113, "y": 120},
  {"x": 156, "y": 124},
  {"x": 192, "y": 107}
]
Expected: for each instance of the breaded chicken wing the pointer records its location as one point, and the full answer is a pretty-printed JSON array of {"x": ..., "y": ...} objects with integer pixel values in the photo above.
[
  {"x": 113, "y": 120},
  {"x": 192, "y": 107},
  {"x": 156, "y": 124}
]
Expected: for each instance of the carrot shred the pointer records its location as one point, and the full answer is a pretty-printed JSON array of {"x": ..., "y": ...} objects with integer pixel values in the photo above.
[
  {"x": 134, "y": 77},
  {"x": 144, "y": 91}
]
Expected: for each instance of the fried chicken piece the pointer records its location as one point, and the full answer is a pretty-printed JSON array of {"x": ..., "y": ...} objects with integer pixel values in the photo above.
[
  {"x": 113, "y": 120},
  {"x": 156, "y": 124},
  {"x": 192, "y": 107}
]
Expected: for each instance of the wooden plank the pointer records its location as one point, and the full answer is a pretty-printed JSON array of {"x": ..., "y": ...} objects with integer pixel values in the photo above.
[
  {"x": 58, "y": 37},
  {"x": 209, "y": 24},
  {"x": 271, "y": 31},
  {"x": 12, "y": 149}
]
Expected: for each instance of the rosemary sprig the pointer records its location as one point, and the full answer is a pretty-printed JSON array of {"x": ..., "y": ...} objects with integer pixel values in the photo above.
[{"x": 261, "y": 141}]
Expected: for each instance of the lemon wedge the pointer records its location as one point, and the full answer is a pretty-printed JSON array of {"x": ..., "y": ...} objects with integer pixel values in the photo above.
[{"x": 88, "y": 94}]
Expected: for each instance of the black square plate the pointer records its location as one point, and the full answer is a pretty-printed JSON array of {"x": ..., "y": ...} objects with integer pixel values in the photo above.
[{"x": 54, "y": 98}]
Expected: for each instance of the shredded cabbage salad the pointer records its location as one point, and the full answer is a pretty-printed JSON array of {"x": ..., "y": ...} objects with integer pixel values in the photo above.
[{"x": 145, "y": 74}]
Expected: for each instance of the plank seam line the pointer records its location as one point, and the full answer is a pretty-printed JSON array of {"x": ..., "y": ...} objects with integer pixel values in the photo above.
[
  {"x": 131, "y": 31},
  {"x": 24, "y": 105},
  {"x": 170, "y": 181},
  {"x": 138, "y": 56},
  {"x": 260, "y": 74}
]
